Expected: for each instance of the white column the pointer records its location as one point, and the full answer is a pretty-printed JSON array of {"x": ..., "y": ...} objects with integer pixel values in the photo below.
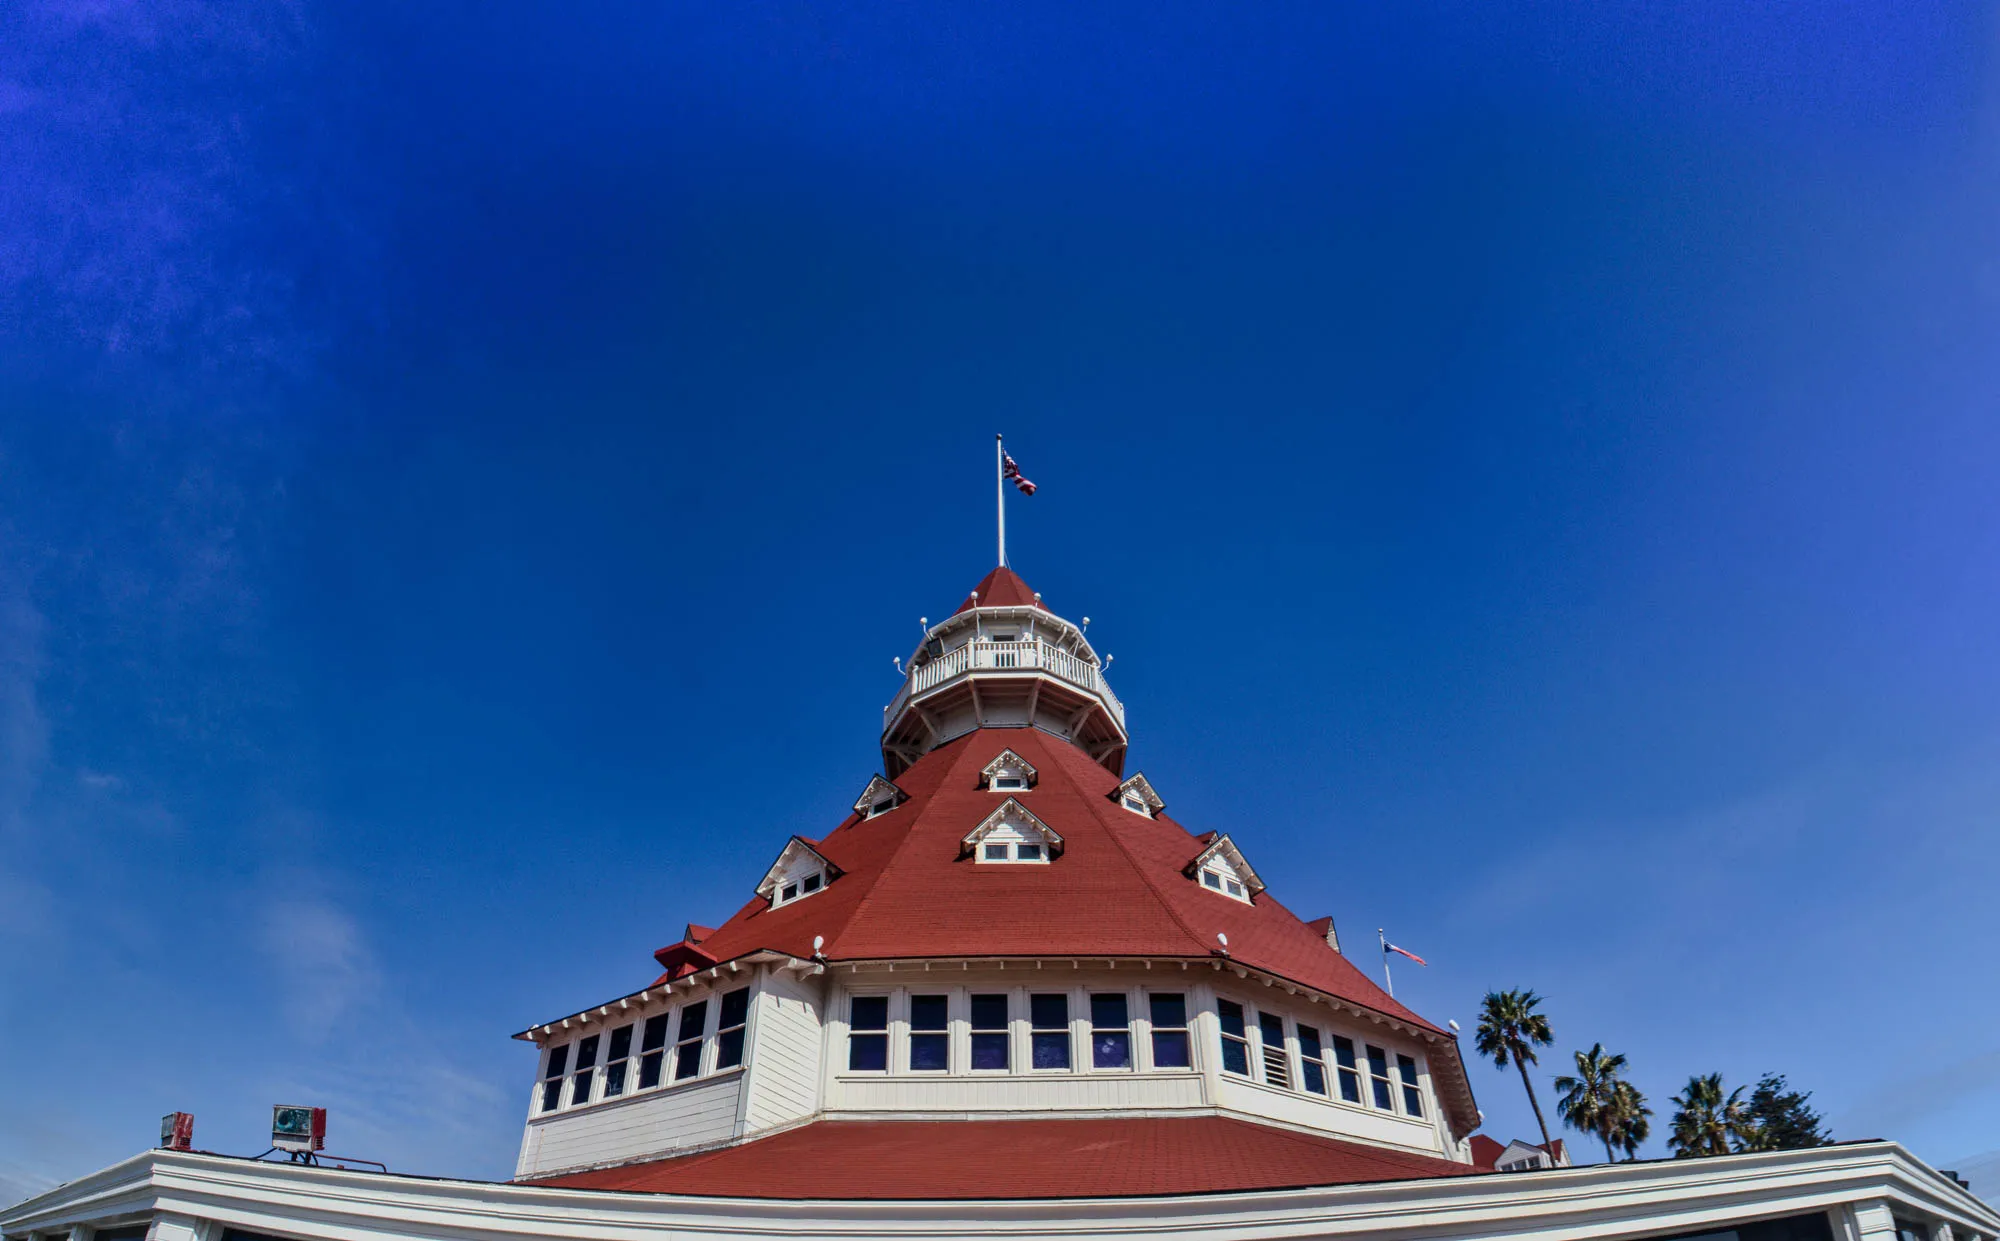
[
  {"x": 167, "y": 1226},
  {"x": 1874, "y": 1221}
]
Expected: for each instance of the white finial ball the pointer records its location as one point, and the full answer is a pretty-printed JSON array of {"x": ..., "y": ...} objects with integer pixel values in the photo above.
[
  {"x": 1453, "y": 1025},
  {"x": 1222, "y": 938},
  {"x": 819, "y": 942}
]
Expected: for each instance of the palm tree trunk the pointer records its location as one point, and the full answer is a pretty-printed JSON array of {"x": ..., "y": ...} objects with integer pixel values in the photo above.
[
  {"x": 1547, "y": 1144},
  {"x": 1608, "y": 1156}
]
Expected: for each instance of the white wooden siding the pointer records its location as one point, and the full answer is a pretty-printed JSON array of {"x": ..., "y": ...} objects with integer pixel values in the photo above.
[
  {"x": 1015, "y": 1092},
  {"x": 1309, "y": 1111},
  {"x": 638, "y": 1127},
  {"x": 785, "y": 1052}
]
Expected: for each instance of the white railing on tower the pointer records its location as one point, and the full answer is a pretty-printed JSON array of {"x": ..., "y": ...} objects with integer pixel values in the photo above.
[{"x": 1025, "y": 656}]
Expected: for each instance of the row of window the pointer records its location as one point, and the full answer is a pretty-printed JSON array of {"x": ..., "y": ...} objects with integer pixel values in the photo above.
[
  {"x": 990, "y": 1046},
  {"x": 577, "y": 1082},
  {"x": 1274, "y": 1062}
]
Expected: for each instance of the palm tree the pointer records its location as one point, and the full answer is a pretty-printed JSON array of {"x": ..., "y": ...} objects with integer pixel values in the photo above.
[
  {"x": 1630, "y": 1124},
  {"x": 1708, "y": 1123},
  {"x": 1509, "y": 1030},
  {"x": 1590, "y": 1099}
]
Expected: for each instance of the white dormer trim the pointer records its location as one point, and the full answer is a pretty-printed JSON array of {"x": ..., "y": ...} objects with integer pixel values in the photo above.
[
  {"x": 799, "y": 872},
  {"x": 879, "y": 797},
  {"x": 1222, "y": 868},
  {"x": 1012, "y": 834},
  {"x": 1136, "y": 793},
  {"x": 996, "y": 776}
]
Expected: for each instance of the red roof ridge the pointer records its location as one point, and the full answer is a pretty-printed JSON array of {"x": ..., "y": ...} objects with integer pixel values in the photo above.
[{"x": 1002, "y": 588}]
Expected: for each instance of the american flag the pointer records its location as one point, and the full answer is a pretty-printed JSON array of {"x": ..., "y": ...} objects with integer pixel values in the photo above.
[
  {"x": 1012, "y": 473},
  {"x": 1388, "y": 948}
]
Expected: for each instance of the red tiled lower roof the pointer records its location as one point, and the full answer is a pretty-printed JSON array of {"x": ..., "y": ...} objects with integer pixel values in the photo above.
[{"x": 1085, "y": 1158}]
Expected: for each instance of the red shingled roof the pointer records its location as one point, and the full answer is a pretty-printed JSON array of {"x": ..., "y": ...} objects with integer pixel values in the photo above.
[
  {"x": 1002, "y": 588},
  {"x": 1117, "y": 890},
  {"x": 1084, "y": 1158}
]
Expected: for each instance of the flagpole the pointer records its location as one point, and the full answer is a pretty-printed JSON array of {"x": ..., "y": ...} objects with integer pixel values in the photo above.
[
  {"x": 1387, "y": 981},
  {"x": 1000, "y": 493}
]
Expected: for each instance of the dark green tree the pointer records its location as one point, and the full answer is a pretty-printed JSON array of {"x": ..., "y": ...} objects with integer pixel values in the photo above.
[
  {"x": 1708, "y": 1122},
  {"x": 1631, "y": 1120},
  {"x": 1589, "y": 1101},
  {"x": 1780, "y": 1118},
  {"x": 1510, "y": 1029}
]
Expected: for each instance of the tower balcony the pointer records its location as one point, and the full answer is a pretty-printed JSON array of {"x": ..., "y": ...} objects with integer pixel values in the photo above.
[{"x": 1017, "y": 683}]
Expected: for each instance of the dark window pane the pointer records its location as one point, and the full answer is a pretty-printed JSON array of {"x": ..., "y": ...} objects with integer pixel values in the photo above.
[
  {"x": 989, "y": 1051},
  {"x": 1272, "y": 1027},
  {"x": 929, "y": 1053},
  {"x": 735, "y": 1009},
  {"x": 558, "y": 1061},
  {"x": 1406, "y": 1068},
  {"x": 1169, "y": 1009},
  {"x": 1170, "y": 1049},
  {"x": 1236, "y": 1056},
  {"x": 586, "y": 1052},
  {"x": 1343, "y": 1051},
  {"x": 1382, "y": 1099},
  {"x": 1378, "y": 1062},
  {"x": 621, "y": 1043},
  {"x": 810, "y": 884},
  {"x": 1309, "y": 1044},
  {"x": 729, "y": 1048},
  {"x": 694, "y": 1021},
  {"x": 551, "y": 1094},
  {"x": 614, "y": 1078},
  {"x": 656, "y": 1033},
  {"x": 869, "y": 1012},
  {"x": 791, "y": 892},
  {"x": 687, "y": 1060},
  {"x": 1314, "y": 1075},
  {"x": 1212, "y": 879},
  {"x": 1350, "y": 1085},
  {"x": 649, "y": 1069},
  {"x": 1230, "y": 1013},
  {"x": 928, "y": 1012},
  {"x": 989, "y": 1012},
  {"x": 579, "y": 1091},
  {"x": 1413, "y": 1101},
  {"x": 1028, "y": 853},
  {"x": 996, "y": 853},
  {"x": 1052, "y": 1051},
  {"x": 1111, "y": 1051},
  {"x": 1049, "y": 1012},
  {"x": 1107, "y": 1012},
  {"x": 868, "y": 1052}
]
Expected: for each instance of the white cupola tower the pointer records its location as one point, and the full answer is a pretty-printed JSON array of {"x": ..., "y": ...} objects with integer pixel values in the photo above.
[{"x": 1003, "y": 660}]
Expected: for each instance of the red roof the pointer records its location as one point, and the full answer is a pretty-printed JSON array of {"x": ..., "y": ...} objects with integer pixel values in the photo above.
[
  {"x": 1002, "y": 588},
  {"x": 1117, "y": 890},
  {"x": 1084, "y": 1158}
]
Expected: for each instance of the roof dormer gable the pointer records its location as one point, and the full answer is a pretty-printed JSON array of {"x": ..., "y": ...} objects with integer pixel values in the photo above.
[
  {"x": 1221, "y": 867},
  {"x": 1137, "y": 795},
  {"x": 1009, "y": 773},
  {"x": 880, "y": 797},
  {"x": 800, "y": 871},
  {"x": 1013, "y": 833}
]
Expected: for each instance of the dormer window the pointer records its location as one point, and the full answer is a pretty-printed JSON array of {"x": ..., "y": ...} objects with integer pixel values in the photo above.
[
  {"x": 799, "y": 872},
  {"x": 879, "y": 798},
  {"x": 1137, "y": 795},
  {"x": 1012, "y": 834},
  {"x": 1222, "y": 868},
  {"x": 1009, "y": 773}
]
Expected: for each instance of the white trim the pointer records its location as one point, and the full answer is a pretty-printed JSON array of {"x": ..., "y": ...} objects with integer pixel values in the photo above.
[{"x": 1595, "y": 1203}]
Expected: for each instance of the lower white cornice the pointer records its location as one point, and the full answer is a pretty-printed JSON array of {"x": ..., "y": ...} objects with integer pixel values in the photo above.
[{"x": 1598, "y": 1203}]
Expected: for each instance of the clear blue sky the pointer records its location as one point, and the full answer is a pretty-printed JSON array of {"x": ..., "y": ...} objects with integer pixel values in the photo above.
[{"x": 464, "y": 471}]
